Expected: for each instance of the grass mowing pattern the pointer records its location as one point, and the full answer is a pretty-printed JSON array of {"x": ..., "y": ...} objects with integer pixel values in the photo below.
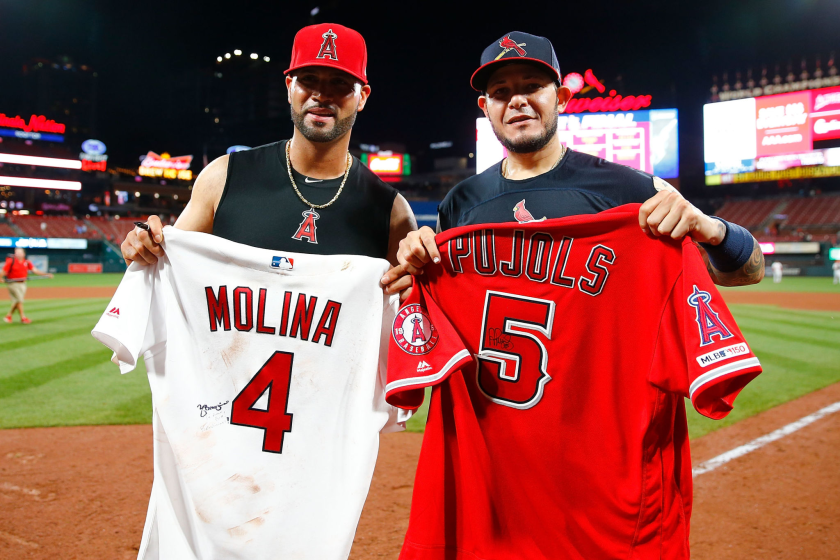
[
  {"x": 74, "y": 281},
  {"x": 53, "y": 373}
]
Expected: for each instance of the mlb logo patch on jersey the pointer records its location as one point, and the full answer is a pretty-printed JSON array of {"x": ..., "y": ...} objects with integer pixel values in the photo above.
[
  {"x": 282, "y": 263},
  {"x": 413, "y": 331}
]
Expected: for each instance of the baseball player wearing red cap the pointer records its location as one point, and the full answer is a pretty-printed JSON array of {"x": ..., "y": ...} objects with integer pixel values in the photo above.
[
  {"x": 521, "y": 94},
  {"x": 303, "y": 195},
  {"x": 306, "y": 194}
]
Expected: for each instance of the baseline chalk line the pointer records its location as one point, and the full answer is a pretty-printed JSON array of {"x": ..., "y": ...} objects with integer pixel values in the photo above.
[{"x": 724, "y": 458}]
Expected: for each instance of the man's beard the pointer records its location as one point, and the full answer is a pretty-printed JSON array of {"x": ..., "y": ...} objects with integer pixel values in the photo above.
[
  {"x": 316, "y": 134},
  {"x": 532, "y": 144}
]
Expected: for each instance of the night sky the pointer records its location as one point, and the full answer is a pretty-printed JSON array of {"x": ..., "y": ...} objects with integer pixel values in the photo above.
[{"x": 421, "y": 54}]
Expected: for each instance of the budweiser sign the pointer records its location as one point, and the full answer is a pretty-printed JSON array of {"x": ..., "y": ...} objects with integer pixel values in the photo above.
[
  {"x": 583, "y": 84},
  {"x": 166, "y": 167},
  {"x": 165, "y": 161},
  {"x": 37, "y": 123}
]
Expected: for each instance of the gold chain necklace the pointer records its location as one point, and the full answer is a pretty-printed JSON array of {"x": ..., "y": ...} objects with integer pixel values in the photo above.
[
  {"x": 294, "y": 186},
  {"x": 556, "y": 163}
]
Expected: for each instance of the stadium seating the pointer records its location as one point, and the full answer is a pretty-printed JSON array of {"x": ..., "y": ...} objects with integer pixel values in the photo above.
[
  {"x": 813, "y": 211},
  {"x": 53, "y": 226},
  {"x": 748, "y": 213},
  {"x": 7, "y": 231},
  {"x": 114, "y": 230}
]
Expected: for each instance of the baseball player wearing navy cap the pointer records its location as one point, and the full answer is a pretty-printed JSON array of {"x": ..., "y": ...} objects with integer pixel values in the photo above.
[
  {"x": 522, "y": 94},
  {"x": 306, "y": 194}
]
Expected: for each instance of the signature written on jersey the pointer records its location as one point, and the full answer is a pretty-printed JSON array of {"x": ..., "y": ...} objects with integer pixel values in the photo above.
[
  {"x": 275, "y": 313},
  {"x": 205, "y": 408}
]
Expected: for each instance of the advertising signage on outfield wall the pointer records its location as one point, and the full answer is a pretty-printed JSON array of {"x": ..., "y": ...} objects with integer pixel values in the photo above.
[
  {"x": 772, "y": 137},
  {"x": 43, "y": 243},
  {"x": 643, "y": 140}
]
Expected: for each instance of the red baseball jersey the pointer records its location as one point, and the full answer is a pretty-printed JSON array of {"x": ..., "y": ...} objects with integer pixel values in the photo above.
[
  {"x": 17, "y": 270},
  {"x": 560, "y": 353}
]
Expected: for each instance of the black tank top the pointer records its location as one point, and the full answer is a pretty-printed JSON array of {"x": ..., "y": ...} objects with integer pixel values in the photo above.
[{"x": 259, "y": 207}]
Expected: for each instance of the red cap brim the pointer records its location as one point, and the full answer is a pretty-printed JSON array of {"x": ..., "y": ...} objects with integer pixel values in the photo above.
[
  {"x": 326, "y": 64},
  {"x": 480, "y": 76}
]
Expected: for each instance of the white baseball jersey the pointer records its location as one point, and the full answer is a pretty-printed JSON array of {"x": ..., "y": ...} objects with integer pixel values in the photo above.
[{"x": 267, "y": 373}]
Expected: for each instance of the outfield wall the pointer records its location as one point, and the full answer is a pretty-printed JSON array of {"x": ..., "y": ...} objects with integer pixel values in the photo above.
[
  {"x": 97, "y": 252},
  {"x": 803, "y": 264}
]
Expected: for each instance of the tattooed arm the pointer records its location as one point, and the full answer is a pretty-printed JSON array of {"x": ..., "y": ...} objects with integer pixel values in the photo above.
[{"x": 751, "y": 273}]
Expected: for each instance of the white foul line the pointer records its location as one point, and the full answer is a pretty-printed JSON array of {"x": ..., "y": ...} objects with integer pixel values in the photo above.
[{"x": 724, "y": 458}]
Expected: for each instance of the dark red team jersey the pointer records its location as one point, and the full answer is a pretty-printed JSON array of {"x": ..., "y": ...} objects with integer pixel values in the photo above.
[{"x": 560, "y": 353}]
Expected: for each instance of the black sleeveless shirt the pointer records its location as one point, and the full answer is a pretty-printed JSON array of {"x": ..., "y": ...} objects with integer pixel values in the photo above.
[
  {"x": 259, "y": 207},
  {"x": 580, "y": 184}
]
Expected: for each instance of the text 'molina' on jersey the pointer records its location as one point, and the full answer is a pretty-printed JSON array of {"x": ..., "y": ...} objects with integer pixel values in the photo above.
[
  {"x": 561, "y": 353},
  {"x": 267, "y": 372}
]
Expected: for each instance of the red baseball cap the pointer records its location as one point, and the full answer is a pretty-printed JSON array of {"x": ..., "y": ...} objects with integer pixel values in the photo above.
[{"x": 331, "y": 45}]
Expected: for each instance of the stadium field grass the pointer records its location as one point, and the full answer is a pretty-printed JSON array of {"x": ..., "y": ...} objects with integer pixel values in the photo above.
[
  {"x": 76, "y": 280},
  {"x": 53, "y": 373}
]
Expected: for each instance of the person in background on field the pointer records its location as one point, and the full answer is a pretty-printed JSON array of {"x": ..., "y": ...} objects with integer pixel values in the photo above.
[
  {"x": 777, "y": 272},
  {"x": 836, "y": 268},
  {"x": 14, "y": 273}
]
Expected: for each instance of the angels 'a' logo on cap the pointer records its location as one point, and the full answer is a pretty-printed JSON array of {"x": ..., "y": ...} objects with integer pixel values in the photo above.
[
  {"x": 508, "y": 45},
  {"x": 413, "y": 331},
  {"x": 327, "y": 49}
]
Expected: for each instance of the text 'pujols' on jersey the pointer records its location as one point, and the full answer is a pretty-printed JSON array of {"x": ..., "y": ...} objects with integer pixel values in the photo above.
[{"x": 539, "y": 261}]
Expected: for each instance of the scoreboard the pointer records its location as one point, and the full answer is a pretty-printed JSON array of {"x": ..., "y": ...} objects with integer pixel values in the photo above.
[
  {"x": 644, "y": 140},
  {"x": 772, "y": 137}
]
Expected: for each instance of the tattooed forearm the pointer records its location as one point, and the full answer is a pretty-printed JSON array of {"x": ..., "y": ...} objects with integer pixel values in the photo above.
[
  {"x": 720, "y": 229},
  {"x": 751, "y": 273}
]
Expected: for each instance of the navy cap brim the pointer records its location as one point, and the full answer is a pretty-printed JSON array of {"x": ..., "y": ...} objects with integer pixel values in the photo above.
[{"x": 478, "y": 81}]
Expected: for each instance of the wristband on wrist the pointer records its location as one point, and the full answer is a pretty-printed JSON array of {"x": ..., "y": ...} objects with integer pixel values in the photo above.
[{"x": 734, "y": 251}]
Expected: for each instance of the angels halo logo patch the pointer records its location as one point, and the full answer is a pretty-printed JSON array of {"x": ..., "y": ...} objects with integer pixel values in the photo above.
[{"x": 413, "y": 331}]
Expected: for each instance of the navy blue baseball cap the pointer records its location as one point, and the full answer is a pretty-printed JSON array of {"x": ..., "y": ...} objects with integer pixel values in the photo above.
[{"x": 514, "y": 47}]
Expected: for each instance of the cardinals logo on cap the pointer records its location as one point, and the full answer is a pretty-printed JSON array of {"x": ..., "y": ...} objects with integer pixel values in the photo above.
[
  {"x": 522, "y": 215},
  {"x": 508, "y": 45},
  {"x": 328, "y": 46}
]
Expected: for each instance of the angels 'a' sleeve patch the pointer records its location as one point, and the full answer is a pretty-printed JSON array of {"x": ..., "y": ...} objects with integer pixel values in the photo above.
[{"x": 413, "y": 331}]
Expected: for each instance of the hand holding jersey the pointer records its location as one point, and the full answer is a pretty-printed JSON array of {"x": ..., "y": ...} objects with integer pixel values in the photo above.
[
  {"x": 560, "y": 353},
  {"x": 267, "y": 375}
]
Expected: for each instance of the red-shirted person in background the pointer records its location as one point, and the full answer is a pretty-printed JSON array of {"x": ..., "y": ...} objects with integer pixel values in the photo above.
[{"x": 14, "y": 273}]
